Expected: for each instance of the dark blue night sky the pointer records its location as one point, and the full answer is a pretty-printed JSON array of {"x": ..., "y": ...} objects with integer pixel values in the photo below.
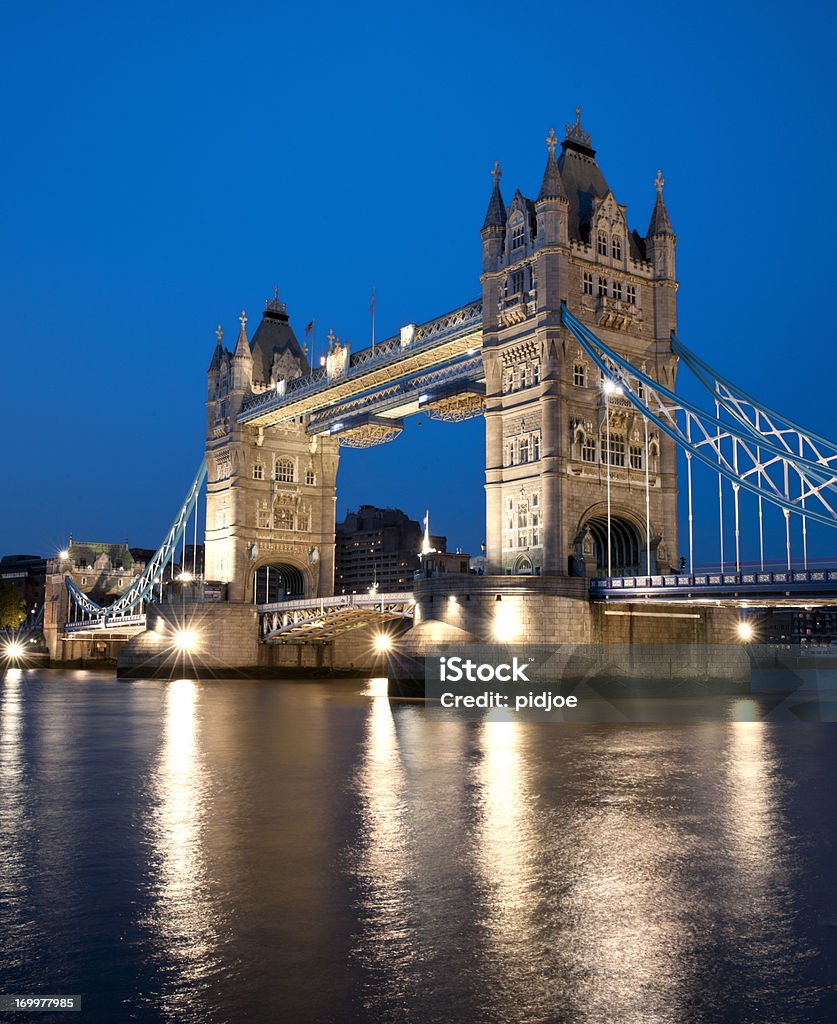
[{"x": 166, "y": 165}]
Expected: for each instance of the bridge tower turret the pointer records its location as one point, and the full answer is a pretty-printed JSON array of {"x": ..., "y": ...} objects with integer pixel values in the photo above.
[
  {"x": 270, "y": 490},
  {"x": 552, "y": 435}
]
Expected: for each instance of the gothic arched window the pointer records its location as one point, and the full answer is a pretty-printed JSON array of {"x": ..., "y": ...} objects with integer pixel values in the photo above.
[
  {"x": 284, "y": 471},
  {"x": 616, "y": 247},
  {"x": 258, "y": 471},
  {"x": 602, "y": 244}
]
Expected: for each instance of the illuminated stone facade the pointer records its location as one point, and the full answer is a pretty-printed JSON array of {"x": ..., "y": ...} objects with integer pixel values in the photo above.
[
  {"x": 270, "y": 490},
  {"x": 548, "y": 440}
]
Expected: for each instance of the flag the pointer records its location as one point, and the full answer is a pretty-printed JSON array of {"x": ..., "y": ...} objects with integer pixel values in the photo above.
[
  {"x": 372, "y": 304},
  {"x": 309, "y": 329}
]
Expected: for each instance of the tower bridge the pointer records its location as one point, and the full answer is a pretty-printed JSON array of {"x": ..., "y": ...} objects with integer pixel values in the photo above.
[{"x": 571, "y": 355}]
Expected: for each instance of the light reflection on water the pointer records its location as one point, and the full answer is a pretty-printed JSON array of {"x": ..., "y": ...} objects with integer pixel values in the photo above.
[
  {"x": 302, "y": 852},
  {"x": 182, "y": 917}
]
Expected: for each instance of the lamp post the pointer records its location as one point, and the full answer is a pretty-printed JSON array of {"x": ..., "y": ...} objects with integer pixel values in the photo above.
[{"x": 610, "y": 387}]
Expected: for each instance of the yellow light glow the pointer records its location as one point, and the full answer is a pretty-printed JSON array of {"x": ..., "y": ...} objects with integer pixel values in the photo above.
[
  {"x": 383, "y": 643},
  {"x": 63, "y": 553},
  {"x": 185, "y": 639},
  {"x": 378, "y": 687},
  {"x": 506, "y": 623},
  {"x": 745, "y": 631},
  {"x": 185, "y": 577},
  {"x": 14, "y": 649}
]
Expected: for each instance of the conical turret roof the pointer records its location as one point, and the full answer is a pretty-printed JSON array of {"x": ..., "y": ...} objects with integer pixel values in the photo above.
[
  {"x": 495, "y": 216},
  {"x": 660, "y": 223},
  {"x": 552, "y": 187}
]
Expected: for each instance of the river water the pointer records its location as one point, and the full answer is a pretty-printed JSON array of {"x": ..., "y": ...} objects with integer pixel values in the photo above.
[{"x": 306, "y": 852}]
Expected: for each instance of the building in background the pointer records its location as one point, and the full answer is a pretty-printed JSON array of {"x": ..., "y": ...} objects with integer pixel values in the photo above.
[
  {"x": 378, "y": 547},
  {"x": 27, "y": 574}
]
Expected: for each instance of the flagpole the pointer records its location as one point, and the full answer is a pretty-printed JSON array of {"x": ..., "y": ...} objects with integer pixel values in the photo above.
[{"x": 372, "y": 311}]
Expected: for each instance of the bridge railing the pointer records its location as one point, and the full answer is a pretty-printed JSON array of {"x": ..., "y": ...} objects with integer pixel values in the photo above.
[
  {"x": 337, "y": 601},
  {"x": 722, "y": 580},
  {"x": 104, "y": 622}
]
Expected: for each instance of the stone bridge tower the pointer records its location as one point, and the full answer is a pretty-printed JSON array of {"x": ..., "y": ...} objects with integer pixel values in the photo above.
[
  {"x": 270, "y": 499},
  {"x": 550, "y": 430}
]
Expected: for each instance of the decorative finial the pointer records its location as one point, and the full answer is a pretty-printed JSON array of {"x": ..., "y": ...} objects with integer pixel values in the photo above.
[
  {"x": 243, "y": 319},
  {"x": 659, "y": 181},
  {"x": 219, "y": 333},
  {"x": 496, "y": 173},
  {"x": 276, "y": 293},
  {"x": 331, "y": 338},
  {"x": 551, "y": 141},
  {"x": 575, "y": 132}
]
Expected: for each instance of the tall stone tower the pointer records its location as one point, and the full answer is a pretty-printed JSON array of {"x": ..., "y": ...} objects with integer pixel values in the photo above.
[
  {"x": 270, "y": 491},
  {"x": 553, "y": 436}
]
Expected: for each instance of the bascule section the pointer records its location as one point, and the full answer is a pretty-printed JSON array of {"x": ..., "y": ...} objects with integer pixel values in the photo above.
[
  {"x": 270, "y": 485},
  {"x": 565, "y": 450}
]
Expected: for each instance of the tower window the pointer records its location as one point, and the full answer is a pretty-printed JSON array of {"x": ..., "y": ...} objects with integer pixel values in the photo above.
[
  {"x": 588, "y": 284},
  {"x": 602, "y": 244},
  {"x": 617, "y": 289},
  {"x": 518, "y": 237},
  {"x": 602, "y": 286},
  {"x": 580, "y": 375},
  {"x": 524, "y": 449},
  {"x": 536, "y": 447},
  {"x": 536, "y": 372},
  {"x": 258, "y": 471},
  {"x": 616, "y": 453},
  {"x": 636, "y": 456},
  {"x": 630, "y": 293},
  {"x": 516, "y": 282},
  {"x": 310, "y": 479},
  {"x": 284, "y": 471},
  {"x": 588, "y": 449},
  {"x": 616, "y": 247}
]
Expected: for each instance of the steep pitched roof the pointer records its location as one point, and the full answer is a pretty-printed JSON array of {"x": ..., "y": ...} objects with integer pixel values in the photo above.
[
  {"x": 275, "y": 337},
  {"x": 583, "y": 182}
]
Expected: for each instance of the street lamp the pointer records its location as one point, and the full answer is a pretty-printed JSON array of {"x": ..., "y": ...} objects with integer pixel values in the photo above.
[{"x": 610, "y": 387}]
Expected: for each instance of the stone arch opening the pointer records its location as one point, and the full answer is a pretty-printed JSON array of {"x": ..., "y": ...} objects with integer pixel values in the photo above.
[
  {"x": 278, "y": 581},
  {"x": 626, "y": 547},
  {"x": 523, "y": 566}
]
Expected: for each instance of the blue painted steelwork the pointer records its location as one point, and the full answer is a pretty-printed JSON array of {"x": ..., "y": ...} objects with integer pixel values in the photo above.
[
  {"x": 125, "y": 607},
  {"x": 677, "y": 417},
  {"x": 461, "y": 321}
]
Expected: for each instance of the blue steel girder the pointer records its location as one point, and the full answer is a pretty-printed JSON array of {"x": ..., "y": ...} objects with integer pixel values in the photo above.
[
  {"x": 401, "y": 397},
  {"x": 143, "y": 586},
  {"x": 750, "y": 460},
  {"x": 421, "y": 349},
  {"x": 755, "y": 416}
]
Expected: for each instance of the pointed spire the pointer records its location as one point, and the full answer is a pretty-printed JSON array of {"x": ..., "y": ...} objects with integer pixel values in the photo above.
[
  {"x": 242, "y": 346},
  {"x": 552, "y": 187},
  {"x": 495, "y": 216},
  {"x": 660, "y": 223},
  {"x": 215, "y": 365}
]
